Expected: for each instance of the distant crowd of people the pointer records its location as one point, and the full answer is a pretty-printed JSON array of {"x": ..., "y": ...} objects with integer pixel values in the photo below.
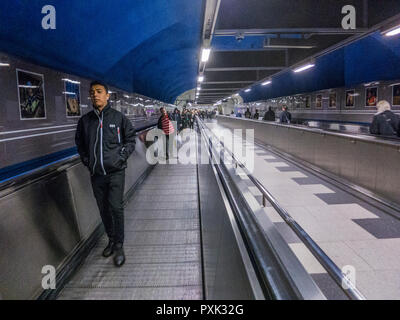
[
  {"x": 284, "y": 117},
  {"x": 385, "y": 122},
  {"x": 183, "y": 120}
]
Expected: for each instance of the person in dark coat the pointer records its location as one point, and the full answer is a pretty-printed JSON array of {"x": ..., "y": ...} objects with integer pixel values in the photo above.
[
  {"x": 285, "y": 116},
  {"x": 256, "y": 115},
  {"x": 176, "y": 116},
  {"x": 105, "y": 139},
  {"x": 385, "y": 122},
  {"x": 269, "y": 115},
  {"x": 247, "y": 114}
]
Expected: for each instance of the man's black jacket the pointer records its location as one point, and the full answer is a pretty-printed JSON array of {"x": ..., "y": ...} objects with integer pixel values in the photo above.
[
  {"x": 105, "y": 140},
  {"x": 385, "y": 123}
]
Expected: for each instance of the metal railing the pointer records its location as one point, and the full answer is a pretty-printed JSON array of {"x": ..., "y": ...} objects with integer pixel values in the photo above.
[
  {"x": 276, "y": 279},
  {"x": 333, "y": 270}
]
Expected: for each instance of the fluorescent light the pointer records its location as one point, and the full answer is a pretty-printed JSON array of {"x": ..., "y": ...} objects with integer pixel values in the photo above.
[
  {"x": 205, "y": 55},
  {"x": 393, "y": 32},
  {"x": 28, "y": 87},
  {"x": 66, "y": 92},
  {"x": 371, "y": 84},
  {"x": 303, "y": 68},
  {"x": 71, "y": 81},
  {"x": 2, "y": 64},
  {"x": 247, "y": 90},
  {"x": 201, "y": 78},
  {"x": 266, "y": 82},
  {"x": 198, "y": 88}
]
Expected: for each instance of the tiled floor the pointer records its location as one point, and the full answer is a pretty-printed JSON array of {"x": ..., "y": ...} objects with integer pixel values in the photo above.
[{"x": 349, "y": 230}]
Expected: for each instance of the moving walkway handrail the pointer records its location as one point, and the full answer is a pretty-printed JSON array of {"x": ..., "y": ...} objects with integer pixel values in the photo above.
[
  {"x": 277, "y": 281},
  {"x": 338, "y": 276}
]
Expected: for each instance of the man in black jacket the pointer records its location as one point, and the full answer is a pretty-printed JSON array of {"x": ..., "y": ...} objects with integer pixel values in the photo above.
[
  {"x": 269, "y": 115},
  {"x": 105, "y": 139}
]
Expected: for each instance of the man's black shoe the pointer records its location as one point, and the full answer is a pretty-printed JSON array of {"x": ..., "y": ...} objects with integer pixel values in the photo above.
[
  {"x": 119, "y": 257},
  {"x": 109, "y": 250}
]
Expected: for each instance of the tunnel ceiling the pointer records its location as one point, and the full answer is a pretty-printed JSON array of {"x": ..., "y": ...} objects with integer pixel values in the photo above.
[
  {"x": 246, "y": 32},
  {"x": 148, "y": 47}
]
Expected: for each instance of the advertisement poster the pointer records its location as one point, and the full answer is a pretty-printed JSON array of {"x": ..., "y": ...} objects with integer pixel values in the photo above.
[
  {"x": 371, "y": 97},
  {"x": 396, "y": 95},
  {"x": 318, "y": 101},
  {"x": 308, "y": 102},
  {"x": 31, "y": 95},
  {"x": 72, "y": 99},
  {"x": 350, "y": 97},
  {"x": 332, "y": 100}
]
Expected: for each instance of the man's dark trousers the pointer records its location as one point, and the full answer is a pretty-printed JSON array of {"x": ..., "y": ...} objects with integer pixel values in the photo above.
[{"x": 109, "y": 192}]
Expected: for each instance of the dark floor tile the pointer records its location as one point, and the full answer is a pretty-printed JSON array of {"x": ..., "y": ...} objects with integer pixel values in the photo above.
[
  {"x": 337, "y": 198},
  {"x": 308, "y": 180},
  {"x": 274, "y": 161},
  {"x": 287, "y": 233},
  {"x": 287, "y": 169},
  {"x": 329, "y": 287},
  {"x": 385, "y": 228}
]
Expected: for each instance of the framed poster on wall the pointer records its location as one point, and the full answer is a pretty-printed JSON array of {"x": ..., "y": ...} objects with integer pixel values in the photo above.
[
  {"x": 318, "y": 101},
  {"x": 72, "y": 98},
  {"x": 371, "y": 96},
  {"x": 308, "y": 102},
  {"x": 31, "y": 95},
  {"x": 350, "y": 98},
  {"x": 396, "y": 95},
  {"x": 332, "y": 100}
]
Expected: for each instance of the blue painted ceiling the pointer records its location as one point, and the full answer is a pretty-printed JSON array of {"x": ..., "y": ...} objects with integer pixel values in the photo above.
[{"x": 142, "y": 46}]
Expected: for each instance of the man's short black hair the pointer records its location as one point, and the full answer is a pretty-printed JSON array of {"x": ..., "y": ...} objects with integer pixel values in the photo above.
[{"x": 98, "y": 82}]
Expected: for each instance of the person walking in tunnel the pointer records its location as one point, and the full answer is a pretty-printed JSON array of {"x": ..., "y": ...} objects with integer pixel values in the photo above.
[
  {"x": 285, "y": 116},
  {"x": 385, "y": 122},
  {"x": 256, "y": 115},
  {"x": 247, "y": 114},
  {"x": 105, "y": 139},
  {"x": 176, "y": 116},
  {"x": 269, "y": 115},
  {"x": 165, "y": 124}
]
